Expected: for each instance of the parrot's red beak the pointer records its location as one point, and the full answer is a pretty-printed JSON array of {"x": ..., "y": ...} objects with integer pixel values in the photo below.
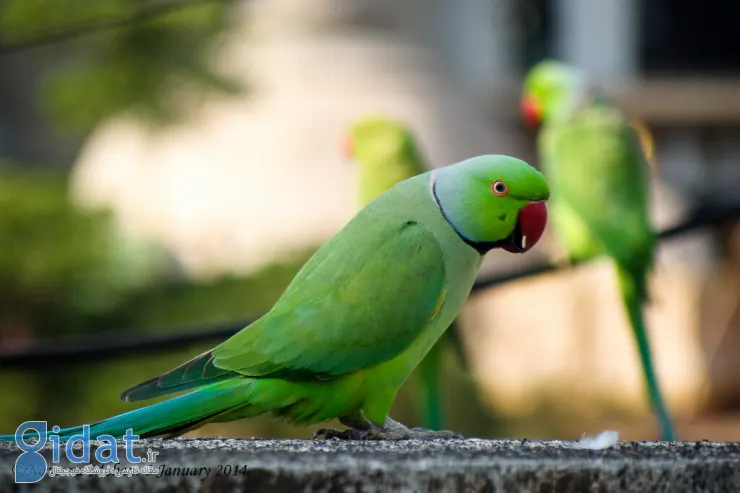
[
  {"x": 531, "y": 111},
  {"x": 348, "y": 147},
  {"x": 530, "y": 226}
]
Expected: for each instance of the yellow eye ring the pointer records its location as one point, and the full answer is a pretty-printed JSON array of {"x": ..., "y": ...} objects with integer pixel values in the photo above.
[{"x": 499, "y": 188}]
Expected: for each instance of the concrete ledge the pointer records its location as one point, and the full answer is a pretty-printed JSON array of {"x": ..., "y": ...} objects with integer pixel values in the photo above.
[{"x": 438, "y": 466}]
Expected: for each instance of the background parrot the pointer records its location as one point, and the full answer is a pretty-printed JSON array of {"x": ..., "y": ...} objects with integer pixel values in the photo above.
[
  {"x": 593, "y": 160},
  {"x": 386, "y": 153},
  {"x": 361, "y": 313}
]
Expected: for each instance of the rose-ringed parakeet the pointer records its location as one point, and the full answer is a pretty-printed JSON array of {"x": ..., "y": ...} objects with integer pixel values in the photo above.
[
  {"x": 360, "y": 315},
  {"x": 593, "y": 160},
  {"x": 386, "y": 152}
]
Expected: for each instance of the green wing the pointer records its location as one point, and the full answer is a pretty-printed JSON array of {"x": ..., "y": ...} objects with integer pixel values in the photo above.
[
  {"x": 597, "y": 170},
  {"x": 361, "y": 300}
]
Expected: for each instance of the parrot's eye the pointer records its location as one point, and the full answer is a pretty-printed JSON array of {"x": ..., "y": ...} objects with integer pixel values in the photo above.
[{"x": 499, "y": 188}]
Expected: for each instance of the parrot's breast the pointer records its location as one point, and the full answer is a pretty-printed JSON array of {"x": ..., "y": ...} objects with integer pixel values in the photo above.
[{"x": 461, "y": 267}]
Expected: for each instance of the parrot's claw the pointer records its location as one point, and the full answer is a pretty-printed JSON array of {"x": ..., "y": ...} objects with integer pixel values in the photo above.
[
  {"x": 410, "y": 434},
  {"x": 393, "y": 430},
  {"x": 385, "y": 434},
  {"x": 331, "y": 434}
]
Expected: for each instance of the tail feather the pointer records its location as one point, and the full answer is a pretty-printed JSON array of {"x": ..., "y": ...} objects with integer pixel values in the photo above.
[
  {"x": 452, "y": 336},
  {"x": 194, "y": 373},
  {"x": 431, "y": 382},
  {"x": 633, "y": 288},
  {"x": 430, "y": 376},
  {"x": 172, "y": 417}
]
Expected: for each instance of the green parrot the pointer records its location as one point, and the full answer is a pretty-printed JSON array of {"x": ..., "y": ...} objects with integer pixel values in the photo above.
[
  {"x": 360, "y": 315},
  {"x": 386, "y": 153},
  {"x": 596, "y": 165}
]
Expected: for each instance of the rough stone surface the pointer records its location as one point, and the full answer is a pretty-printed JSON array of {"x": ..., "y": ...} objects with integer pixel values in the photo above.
[{"x": 438, "y": 466}]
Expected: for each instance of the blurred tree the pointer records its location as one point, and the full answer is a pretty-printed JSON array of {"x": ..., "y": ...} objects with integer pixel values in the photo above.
[
  {"x": 62, "y": 269},
  {"x": 61, "y": 265},
  {"x": 134, "y": 55}
]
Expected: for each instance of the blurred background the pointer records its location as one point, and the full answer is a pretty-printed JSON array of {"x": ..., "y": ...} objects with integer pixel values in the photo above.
[{"x": 168, "y": 165}]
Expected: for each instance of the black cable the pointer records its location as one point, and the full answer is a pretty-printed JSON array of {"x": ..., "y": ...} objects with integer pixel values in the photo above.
[
  {"x": 698, "y": 219},
  {"x": 104, "y": 346}
]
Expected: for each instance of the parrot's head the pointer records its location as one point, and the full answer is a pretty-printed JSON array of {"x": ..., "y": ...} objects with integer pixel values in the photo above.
[
  {"x": 375, "y": 140},
  {"x": 493, "y": 201},
  {"x": 551, "y": 88}
]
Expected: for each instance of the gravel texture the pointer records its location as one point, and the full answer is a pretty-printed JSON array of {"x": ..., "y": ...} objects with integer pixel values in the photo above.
[{"x": 439, "y": 466}]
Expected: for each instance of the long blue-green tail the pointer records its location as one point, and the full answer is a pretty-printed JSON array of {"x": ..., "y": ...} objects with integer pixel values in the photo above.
[
  {"x": 633, "y": 290},
  {"x": 175, "y": 416}
]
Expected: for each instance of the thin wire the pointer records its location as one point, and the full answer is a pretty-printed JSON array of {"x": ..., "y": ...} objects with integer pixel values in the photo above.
[{"x": 87, "y": 348}]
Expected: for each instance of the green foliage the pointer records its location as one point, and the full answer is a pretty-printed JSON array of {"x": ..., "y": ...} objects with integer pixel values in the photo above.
[
  {"x": 193, "y": 303},
  {"x": 85, "y": 393},
  {"x": 59, "y": 263},
  {"x": 52, "y": 15},
  {"x": 66, "y": 269},
  {"x": 137, "y": 68}
]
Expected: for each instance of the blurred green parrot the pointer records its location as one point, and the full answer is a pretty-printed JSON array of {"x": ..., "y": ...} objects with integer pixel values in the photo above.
[
  {"x": 386, "y": 153},
  {"x": 596, "y": 163}
]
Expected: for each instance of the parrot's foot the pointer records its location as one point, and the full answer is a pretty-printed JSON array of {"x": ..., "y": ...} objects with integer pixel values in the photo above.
[
  {"x": 329, "y": 434},
  {"x": 393, "y": 430},
  {"x": 409, "y": 434},
  {"x": 357, "y": 424}
]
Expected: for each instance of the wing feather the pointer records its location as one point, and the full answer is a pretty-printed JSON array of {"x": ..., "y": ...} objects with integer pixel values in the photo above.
[{"x": 361, "y": 300}]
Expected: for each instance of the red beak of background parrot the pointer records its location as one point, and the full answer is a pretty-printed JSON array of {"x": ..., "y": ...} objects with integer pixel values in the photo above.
[
  {"x": 348, "y": 147},
  {"x": 530, "y": 226},
  {"x": 531, "y": 111}
]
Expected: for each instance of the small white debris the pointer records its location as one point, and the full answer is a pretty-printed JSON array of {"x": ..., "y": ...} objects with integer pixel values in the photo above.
[{"x": 604, "y": 439}]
